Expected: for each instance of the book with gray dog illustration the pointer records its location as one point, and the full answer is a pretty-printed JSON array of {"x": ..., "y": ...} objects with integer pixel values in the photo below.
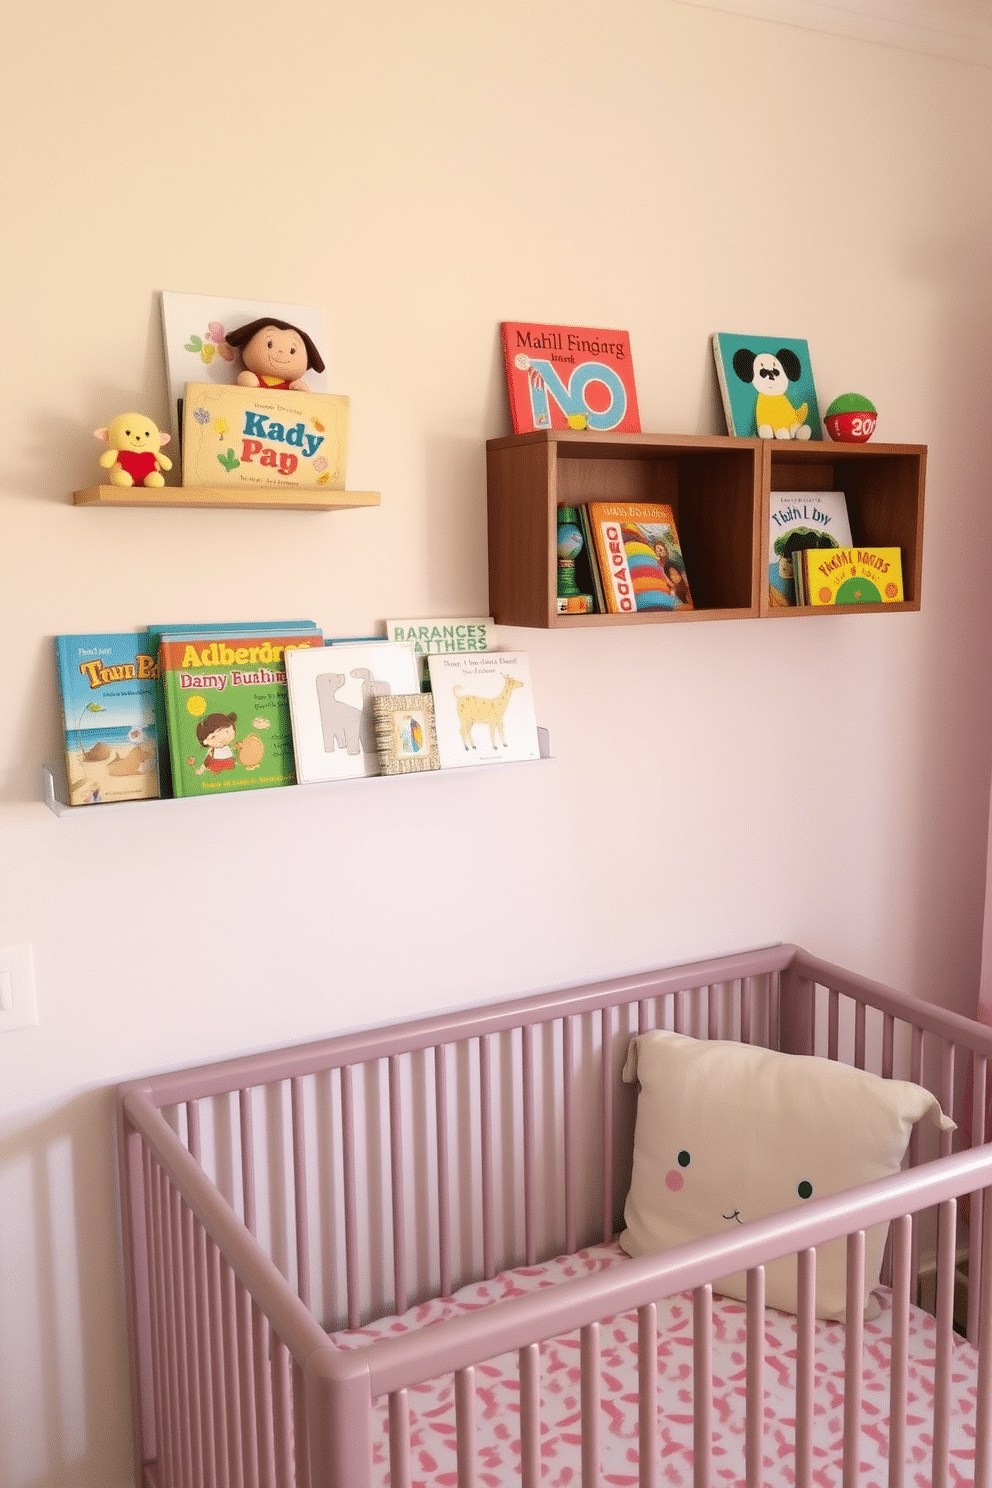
[
  {"x": 483, "y": 708},
  {"x": 330, "y": 703}
]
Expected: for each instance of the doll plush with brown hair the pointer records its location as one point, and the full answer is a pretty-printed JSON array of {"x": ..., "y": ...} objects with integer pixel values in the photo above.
[{"x": 276, "y": 355}]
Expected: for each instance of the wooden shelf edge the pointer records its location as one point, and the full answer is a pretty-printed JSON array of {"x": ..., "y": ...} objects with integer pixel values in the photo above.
[
  {"x": 286, "y": 498},
  {"x": 54, "y": 791}
]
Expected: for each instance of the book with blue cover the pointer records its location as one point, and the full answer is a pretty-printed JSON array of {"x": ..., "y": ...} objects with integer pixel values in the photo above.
[{"x": 107, "y": 684}]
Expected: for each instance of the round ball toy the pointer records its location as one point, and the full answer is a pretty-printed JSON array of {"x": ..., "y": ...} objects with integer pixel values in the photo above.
[{"x": 851, "y": 419}]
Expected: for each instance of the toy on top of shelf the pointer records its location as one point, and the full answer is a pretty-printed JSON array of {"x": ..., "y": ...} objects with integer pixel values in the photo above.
[
  {"x": 135, "y": 455},
  {"x": 276, "y": 355},
  {"x": 766, "y": 384},
  {"x": 851, "y": 419}
]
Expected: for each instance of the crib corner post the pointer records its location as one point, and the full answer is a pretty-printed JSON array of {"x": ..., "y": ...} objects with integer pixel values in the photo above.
[
  {"x": 796, "y": 1011},
  {"x": 339, "y": 1425}
]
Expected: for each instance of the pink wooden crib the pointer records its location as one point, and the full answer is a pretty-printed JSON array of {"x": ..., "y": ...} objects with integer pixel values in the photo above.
[{"x": 390, "y": 1257}]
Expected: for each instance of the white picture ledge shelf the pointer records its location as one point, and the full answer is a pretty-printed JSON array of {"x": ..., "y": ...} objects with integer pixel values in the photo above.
[{"x": 55, "y": 793}]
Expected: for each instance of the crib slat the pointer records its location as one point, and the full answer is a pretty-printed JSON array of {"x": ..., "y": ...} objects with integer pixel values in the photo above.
[
  {"x": 755, "y": 1375},
  {"x": 529, "y": 1368},
  {"x": 946, "y": 1245},
  {"x": 349, "y": 1196},
  {"x": 486, "y": 1155},
  {"x": 529, "y": 1144},
  {"x": 853, "y": 1352},
  {"x": 859, "y": 1035},
  {"x": 983, "y": 1414},
  {"x": 606, "y": 1109},
  {"x": 465, "y": 1425},
  {"x": 282, "y": 1414},
  {"x": 400, "y": 1472},
  {"x": 246, "y": 1370},
  {"x": 205, "y": 1404},
  {"x": 647, "y": 1388},
  {"x": 591, "y": 1405},
  {"x": 702, "y": 1386},
  {"x": 261, "y": 1343},
  {"x": 397, "y": 1184},
  {"x": 976, "y": 1211},
  {"x": 247, "y": 1159},
  {"x": 568, "y": 1130},
  {"x": 805, "y": 1365},
  {"x": 902, "y": 1260},
  {"x": 300, "y": 1205},
  {"x": 443, "y": 1169}
]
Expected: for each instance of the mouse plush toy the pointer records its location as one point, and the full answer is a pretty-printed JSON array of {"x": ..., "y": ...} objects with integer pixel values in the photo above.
[{"x": 276, "y": 355}]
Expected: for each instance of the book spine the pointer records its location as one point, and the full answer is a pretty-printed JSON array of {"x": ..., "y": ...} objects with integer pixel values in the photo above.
[{"x": 619, "y": 589}]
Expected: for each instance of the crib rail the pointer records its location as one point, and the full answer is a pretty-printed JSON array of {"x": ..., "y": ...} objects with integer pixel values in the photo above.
[{"x": 462, "y": 1143}]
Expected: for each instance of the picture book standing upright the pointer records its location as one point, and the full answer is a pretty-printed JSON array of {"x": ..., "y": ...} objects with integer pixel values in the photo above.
[
  {"x": 228, "y": 710},
  {"x": 107, "y": 683},
  {"x": 799, "y": 520},
  {"x": 639, "y": 556},
  {"x": 569, "y": 377},
  {"x": 483, "y": 708}
]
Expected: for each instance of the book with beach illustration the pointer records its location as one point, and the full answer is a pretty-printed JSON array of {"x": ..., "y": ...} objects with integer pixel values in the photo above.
[
  {"x": 227, "y": 709},
  {"x": 107, "y": 684}
]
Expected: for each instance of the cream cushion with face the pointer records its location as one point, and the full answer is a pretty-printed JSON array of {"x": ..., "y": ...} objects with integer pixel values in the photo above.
[{"x": 729, "y": 1132}]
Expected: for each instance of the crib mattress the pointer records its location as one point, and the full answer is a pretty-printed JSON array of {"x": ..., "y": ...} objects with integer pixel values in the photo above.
[{"x": 432, "y": 1405}]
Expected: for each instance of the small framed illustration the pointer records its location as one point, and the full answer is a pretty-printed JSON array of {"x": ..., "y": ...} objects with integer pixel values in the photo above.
[
  {"x": 330, "y": 703},
  {"x": 404, "y": 732},
  {"x": 766, "y": 383}
]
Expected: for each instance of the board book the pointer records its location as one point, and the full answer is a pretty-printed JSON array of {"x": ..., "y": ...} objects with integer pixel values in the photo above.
[
  {"x": 853, "y": 576},
  {"x": 236, "y": 436},
  {"x": 330, "y": 698},
  {"x": 766, "y": 386},
  {"x": 227, "y": 709},
  {"x": 640, "y": 560},
  {"x": 569, "y": 377},
  {"x": 107, "y": 687},
  {"x": 483, "y": 708},
  {"x": 797, "y": 520}
]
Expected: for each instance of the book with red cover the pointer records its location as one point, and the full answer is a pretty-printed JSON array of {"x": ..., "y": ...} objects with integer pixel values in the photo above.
[{"x": 569, "y": 377}]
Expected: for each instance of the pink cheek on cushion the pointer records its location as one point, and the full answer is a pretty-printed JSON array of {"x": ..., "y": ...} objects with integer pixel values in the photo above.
[{"x": 674, "y": 1180}]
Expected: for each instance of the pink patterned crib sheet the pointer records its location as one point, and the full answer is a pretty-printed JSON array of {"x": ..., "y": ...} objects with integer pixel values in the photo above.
[{"x": 432, "y": 1405}]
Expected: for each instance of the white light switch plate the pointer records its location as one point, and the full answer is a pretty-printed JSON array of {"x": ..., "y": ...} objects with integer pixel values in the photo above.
[{"x": 18, "y": 1002}]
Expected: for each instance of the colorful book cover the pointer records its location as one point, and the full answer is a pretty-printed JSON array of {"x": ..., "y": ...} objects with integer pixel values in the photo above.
[
  {"x": 854, "y": 576},
  {"x": 639, "y": 555},
  {"x": 483, "y": 708},
  {"x": 766, "y": 383},
  {"x": 433, "y": 635},
  {"x": 194, "y": 330},
  {"x": 238, "y": 436},
  {"x": 107, "y": 684},
  {"x": 227, "y": 709},
  {"x": 569, "y": 377},
  {"x": 797, "y": 520},
  {"x": 330, "y": 698}
]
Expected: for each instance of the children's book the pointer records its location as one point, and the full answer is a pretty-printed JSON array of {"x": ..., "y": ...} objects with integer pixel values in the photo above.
[
  {"x": 330, "y": 699},
  {"x": 227, "y": 709},
  {"x": 156, "y": 634},
  {"x": 474, "y": 633},
  {"x": 195, "y": 327},
  {"x": 595, "y": 577},
  {"x": 853, "y": 576},
  {"x": 569, "y": 377},
  {"x": 483, "y": 708},
  {"x": 797, "y": 520},
  {"x": 107, "y": 684},
  {"x": 766, "y": 383},
  {"x": 639, "y": 555}
]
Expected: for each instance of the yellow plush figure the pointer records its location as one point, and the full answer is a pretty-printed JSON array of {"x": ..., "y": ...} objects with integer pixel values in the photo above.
[{"x": 135, "y": 455}]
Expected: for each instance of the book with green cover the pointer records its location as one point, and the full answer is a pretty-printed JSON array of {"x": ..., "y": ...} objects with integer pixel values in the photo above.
[{"x": 227, "y": 709}]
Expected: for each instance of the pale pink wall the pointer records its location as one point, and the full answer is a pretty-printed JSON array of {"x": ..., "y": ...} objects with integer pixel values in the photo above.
[{"x": 423, "y": 172}]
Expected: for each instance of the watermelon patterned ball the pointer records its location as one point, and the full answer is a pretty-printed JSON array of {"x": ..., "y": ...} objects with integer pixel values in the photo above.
[{"x": 851, "y": 419}]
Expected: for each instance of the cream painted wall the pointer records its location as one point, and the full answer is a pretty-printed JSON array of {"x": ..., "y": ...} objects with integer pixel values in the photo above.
[{"x": 422, "y": 172}]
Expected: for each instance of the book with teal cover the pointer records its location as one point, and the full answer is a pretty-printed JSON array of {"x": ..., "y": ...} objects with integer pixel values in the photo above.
[
  {"x": 107, "y": 685},
  {"x": 766, "y": 383},
  {"x": 227, "y": 709}
]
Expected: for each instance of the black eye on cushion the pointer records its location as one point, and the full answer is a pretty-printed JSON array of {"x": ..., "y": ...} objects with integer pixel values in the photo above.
[
  {"x": 684, "y": 1159},
  {"x": 805, "y": 1190}
]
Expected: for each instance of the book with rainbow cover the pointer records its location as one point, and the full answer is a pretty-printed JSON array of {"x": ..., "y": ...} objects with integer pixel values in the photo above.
[{"x": 639, "y": 555}]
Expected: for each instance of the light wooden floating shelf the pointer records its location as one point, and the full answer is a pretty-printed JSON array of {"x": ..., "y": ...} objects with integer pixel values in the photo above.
[{"x": 284, "y": 498}]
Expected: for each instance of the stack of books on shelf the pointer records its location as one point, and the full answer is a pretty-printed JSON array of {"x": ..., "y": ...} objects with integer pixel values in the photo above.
[
  {"x": 813, "y": 561},
  {"x": 199, "y": 710}
]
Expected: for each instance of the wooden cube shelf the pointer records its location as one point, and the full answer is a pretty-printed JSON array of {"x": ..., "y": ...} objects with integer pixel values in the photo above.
[
  {"x": 718, "y": 488},
  {"x": 712, "y": 485}
]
